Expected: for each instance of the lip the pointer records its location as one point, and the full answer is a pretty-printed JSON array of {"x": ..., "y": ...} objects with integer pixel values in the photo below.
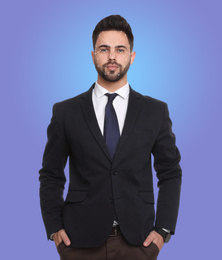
[{"x": 112, "y": 67}]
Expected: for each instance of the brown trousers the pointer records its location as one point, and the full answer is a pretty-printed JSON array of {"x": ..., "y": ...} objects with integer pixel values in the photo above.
[{"x": 115, "y": 248}]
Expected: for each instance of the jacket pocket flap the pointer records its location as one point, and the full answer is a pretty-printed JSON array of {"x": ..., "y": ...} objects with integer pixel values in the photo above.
[
  {"x": 147, "y": 196},
  {"x": 76, "y": 195}
]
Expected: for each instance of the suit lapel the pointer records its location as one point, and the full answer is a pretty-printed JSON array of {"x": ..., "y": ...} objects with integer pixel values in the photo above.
[
  {"x": 134, "y": 106},
  {"x": 90, "y": 116}
]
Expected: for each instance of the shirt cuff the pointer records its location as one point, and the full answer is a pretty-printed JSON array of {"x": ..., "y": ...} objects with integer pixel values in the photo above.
[
  {"x": 51, "y": 236},
  {"x": 166, "y": 230}
]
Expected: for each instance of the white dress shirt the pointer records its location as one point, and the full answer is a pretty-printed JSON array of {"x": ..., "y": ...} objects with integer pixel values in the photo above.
[{"x": 120, "y": 104}]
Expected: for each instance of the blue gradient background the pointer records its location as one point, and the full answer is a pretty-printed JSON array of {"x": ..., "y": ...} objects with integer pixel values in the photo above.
[{"x": 45, "y": 58}]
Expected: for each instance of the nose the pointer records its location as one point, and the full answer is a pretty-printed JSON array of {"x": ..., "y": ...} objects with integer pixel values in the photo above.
[{"x": 112, "y": 54}]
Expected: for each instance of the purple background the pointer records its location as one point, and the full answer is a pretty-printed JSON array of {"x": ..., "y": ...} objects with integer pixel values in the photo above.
[{"x": 45, "y": 58}]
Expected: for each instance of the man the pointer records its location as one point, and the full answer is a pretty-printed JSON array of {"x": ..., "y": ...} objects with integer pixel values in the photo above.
[{"x": 109, "y": 134}]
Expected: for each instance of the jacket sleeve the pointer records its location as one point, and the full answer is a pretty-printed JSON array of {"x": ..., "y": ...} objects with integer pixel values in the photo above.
[
  {"x": 52, "y": 177},
  {"x": 166, "y": 163}
]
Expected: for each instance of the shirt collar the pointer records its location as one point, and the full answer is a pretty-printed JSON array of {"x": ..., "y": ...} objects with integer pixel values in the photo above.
[{"x": 100, "y": 91}]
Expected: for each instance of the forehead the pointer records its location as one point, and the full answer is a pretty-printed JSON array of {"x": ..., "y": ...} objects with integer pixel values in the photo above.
[{"x": 112, "y": 38}]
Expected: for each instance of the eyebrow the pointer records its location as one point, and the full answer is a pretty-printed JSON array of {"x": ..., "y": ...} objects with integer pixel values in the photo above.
[
  {"x": 120, "y": 46},
  {"x": 107, "y": 46}
]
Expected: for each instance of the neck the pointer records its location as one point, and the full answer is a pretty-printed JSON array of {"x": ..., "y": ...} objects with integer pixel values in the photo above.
[{"x": 112, "y": 86}]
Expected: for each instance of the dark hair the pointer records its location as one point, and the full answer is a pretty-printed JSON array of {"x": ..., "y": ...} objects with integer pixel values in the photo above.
[{"x": 113, "y": 22}]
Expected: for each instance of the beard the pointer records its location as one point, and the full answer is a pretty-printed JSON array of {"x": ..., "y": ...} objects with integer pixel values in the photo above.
[{"x": 113, "y": 75}]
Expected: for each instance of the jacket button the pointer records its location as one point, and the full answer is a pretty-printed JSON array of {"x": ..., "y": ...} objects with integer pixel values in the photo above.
[
  {"x": 111, "y": 200},
  {"x": 115, "y": 173}
]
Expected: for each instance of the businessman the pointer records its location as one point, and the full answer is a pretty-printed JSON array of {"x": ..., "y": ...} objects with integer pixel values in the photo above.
[{"x": 109, "y": 134}]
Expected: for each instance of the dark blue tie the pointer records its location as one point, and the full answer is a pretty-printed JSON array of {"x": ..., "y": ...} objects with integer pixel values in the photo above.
[{"x": 111, "y": 126}]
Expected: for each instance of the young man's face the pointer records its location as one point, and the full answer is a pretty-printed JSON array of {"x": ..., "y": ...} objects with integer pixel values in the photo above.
[{"x": 112, "y": 56}]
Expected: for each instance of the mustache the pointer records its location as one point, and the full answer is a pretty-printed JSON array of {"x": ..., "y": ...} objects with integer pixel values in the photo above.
[{"x": 112, "y": 63}]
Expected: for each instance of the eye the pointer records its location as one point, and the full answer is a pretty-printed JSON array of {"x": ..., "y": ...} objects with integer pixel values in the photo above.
[
  {"x": 120, "y": 50},
  {"x": 103, "y": 50}
]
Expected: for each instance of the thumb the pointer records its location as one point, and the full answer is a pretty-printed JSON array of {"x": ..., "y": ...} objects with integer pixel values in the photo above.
[
  {"x": 148, "y": 240},
  {"x": 65, "y": 238}
]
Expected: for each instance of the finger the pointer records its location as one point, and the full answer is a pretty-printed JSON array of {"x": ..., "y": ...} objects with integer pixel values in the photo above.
[
  {"x": 65, "y": 238},
  {"x": 148, "y": 240},
  {"x": 57, "y": 239},
  {"x": 57, "y": 243}
]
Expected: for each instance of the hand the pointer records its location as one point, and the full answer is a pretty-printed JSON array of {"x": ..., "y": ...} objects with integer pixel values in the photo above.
[
  {"x": 156, "y": 238},
  {"x": 60, "y": 236}
]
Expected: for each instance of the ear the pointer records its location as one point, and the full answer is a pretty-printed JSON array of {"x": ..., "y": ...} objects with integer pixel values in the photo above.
[
  {"x": 133, "y": 55},
  {"x": 93, "y": 56}
]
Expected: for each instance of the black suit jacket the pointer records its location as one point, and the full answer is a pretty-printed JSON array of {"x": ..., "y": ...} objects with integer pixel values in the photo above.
[{"x": 99, "y": 186}]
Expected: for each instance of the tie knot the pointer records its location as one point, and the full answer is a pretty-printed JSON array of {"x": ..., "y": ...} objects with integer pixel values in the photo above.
[{"x": 111, "y": 97}]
